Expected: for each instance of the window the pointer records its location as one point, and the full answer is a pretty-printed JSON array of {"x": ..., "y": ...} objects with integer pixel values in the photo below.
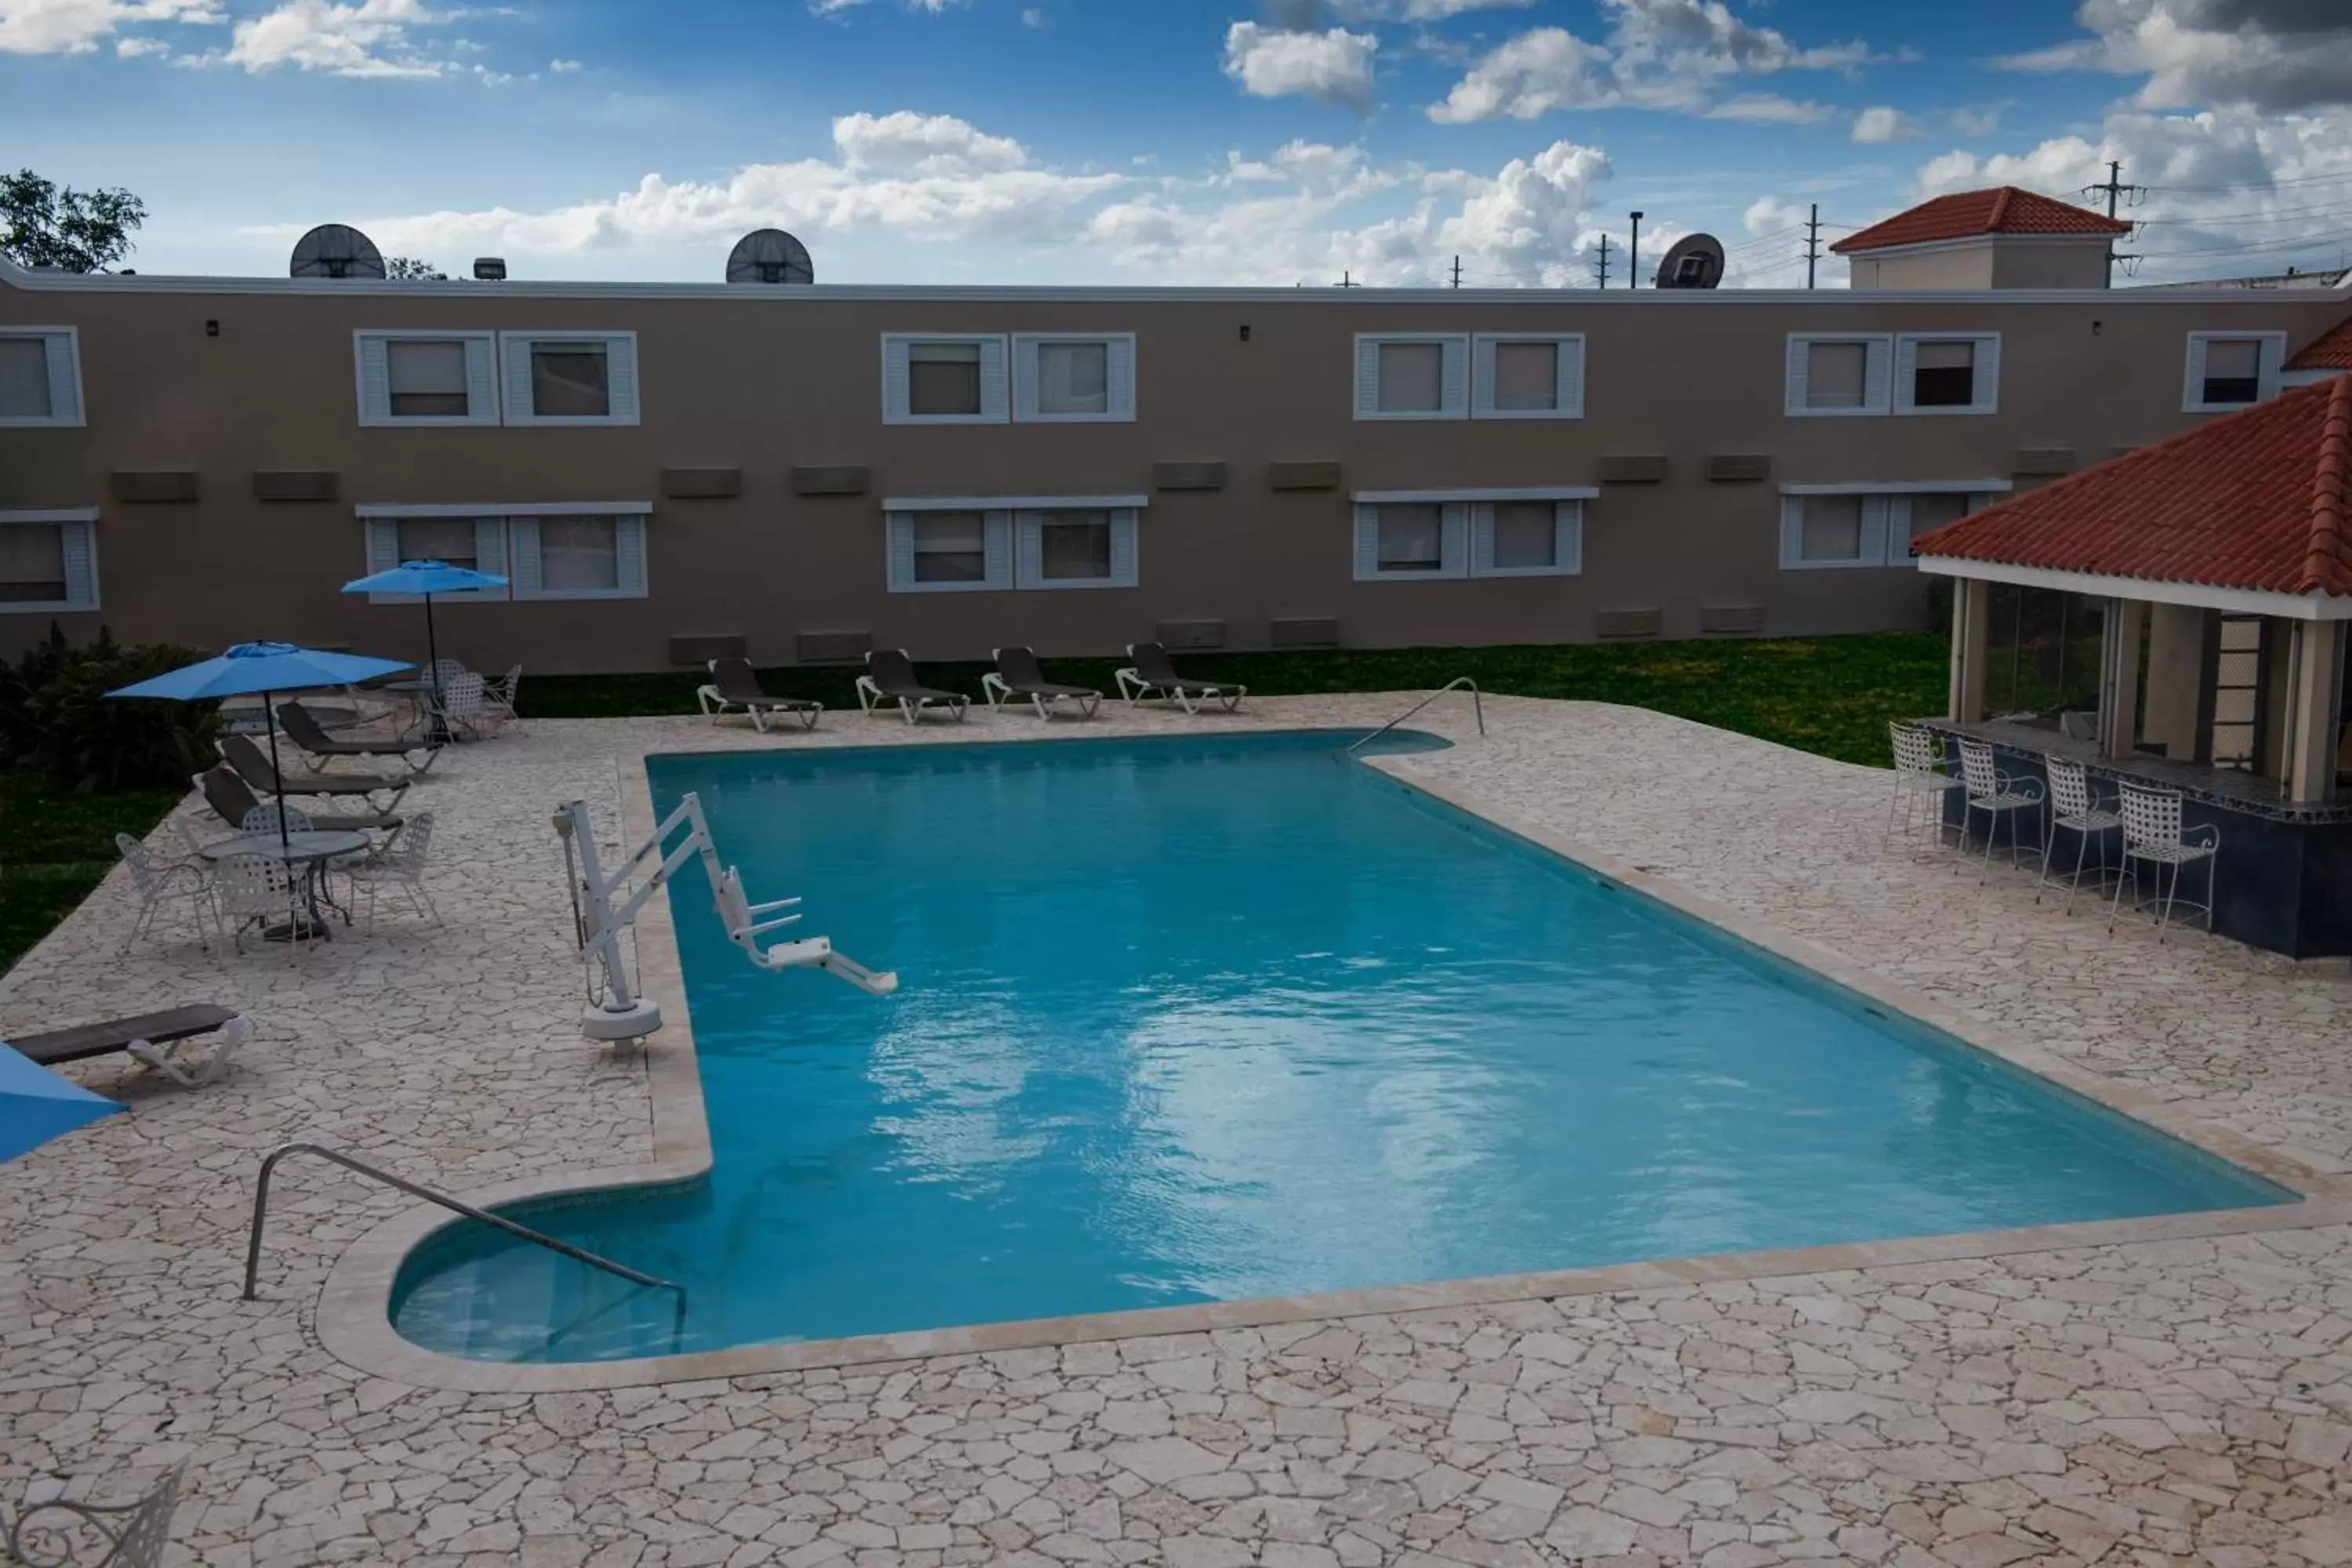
[
  {"x": 458, "y": 536},
  {"x": 950, "y": 550},
  {"x": 1407, "y": 540},
  {"x": 579, "y": 555},
  {"x": 949, "y": 379},
  {"x": 40, "y": 376},
  {"x": 1530, "y": 378},
  {"x": 1530, "y": 538},
  {"x": 1077, "y": 547},
  {"x": 1954, "y": 373},
  {"x": 2232, "y": 370},
  {"x": 1415, "y": 535},
  {"x": 1412, "y": 375},
  {"x": 48, "y": 562},
  {"x": 952, "y": 547},
  {"x": 1845, "y": 528},
  {"x": 998, "y": 542},
  {"x": 1074, "y": 377},
  {"x": 549, "y": 550},
  {"x": 427, "y": 378},
  {"x": 449, "y": 539},
  {"x": 570, "y": 378},
  {"x": 1831, "y": 376}
]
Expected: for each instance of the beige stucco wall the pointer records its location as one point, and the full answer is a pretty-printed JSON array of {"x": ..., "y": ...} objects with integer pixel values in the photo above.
[
  {"x": 1958, "y": 267},
  {"x": 762, "y": 382}
]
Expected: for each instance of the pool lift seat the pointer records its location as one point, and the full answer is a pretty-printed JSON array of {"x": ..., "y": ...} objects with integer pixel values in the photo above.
[{"x": 619, "y": 1013}]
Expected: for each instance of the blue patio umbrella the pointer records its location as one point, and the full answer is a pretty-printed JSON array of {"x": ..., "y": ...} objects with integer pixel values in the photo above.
[
  {"x": 36, "y": 1104},
  {"x": 258, "y": 669},
  {"x": 423, "y": 579}
]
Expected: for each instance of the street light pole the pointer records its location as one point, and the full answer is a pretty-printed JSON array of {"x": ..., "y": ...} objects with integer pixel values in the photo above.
[{"x": 1633, "y": 256}]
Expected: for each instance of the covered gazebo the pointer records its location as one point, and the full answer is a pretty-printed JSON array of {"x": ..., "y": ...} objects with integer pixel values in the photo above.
[{"x": 2215, "y": 570}]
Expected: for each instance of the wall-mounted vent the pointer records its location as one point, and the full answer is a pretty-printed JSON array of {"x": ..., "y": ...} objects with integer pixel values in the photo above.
[
  {"x": 1730, "y": 468},
  {"x": 1627, "y": 624},
  {"x": 833, "y": 648},
  {"x": 1731, "y": 620},
  {"x": 1190, "y": 634},
  {"x": 336, "y": 250},
  {"x": 701, "y": 484},
  {"x": 1634, "y": 469},
  {"x": 770, "y": 255},
  {"x": 1303, "y": 631},
  {"x": 701, "y": 649}
]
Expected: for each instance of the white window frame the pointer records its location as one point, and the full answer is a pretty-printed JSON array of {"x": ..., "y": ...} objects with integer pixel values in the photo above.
[
  {"x": 1986, "y": 369},
  {"x": 1898, "y": 520},
  {"x": 76, "y": 534},
  {"x": 1567, "y": 549},
  {"x": 496, "y": 532},
  {"x": 1119, "y": 365},
  {"x": 1452, "y": 542},
  {"x": 371, "y": 371},
  {"x": 1453, "y": 379},
  {"x": 995, "y": 403},
  {"x": 63, "y": 345},
  {"x": 1029, "y": 555},
  {"x": 1886, "y": 506},
  {"x": 1568, "y": 397},
  {"x": 1878, "y": 373},
  {"x": 623, "y": 401},
  {"x": 996, "y": 551},
  {"x": 526, "y": 566},
  {"x": 2272, "y": 357}
]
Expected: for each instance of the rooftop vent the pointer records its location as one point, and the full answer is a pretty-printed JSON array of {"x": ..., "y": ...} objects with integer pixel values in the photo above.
[
  {"x": 770, "y": 255},
  {"x": 1695, "y": 262},
  {"x": 336, "y": 250},
  {"x": 490, "y": 268}
]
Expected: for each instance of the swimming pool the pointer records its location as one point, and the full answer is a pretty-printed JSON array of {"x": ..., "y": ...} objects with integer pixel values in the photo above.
[{"x": 1211, "y": 1019}]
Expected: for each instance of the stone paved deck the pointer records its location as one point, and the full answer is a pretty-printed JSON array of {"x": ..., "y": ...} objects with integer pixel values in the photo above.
[{"x": 2169, "y": 1402}]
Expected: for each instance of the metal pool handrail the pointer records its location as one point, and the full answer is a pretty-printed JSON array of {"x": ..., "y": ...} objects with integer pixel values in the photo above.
[
  {"x": 1457, "y": 682},
  {"x": 261, "y": 1206}
]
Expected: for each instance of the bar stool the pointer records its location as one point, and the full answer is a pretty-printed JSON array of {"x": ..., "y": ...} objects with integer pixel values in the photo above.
[
  {"x": 2152, "y": 832},
  {"x": 2073, "y": 807},
  {"x": 1996, "y": 793},
  {"x": 1918, "y": 773}
]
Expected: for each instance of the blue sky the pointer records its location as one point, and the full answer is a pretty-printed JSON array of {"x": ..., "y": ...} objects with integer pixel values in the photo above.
[{"x": 1171, "y": 141}]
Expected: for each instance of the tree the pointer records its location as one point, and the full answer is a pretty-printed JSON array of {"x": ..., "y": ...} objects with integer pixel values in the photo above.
[
  {"x": 46, "y": 224},
  {"x": 409, "y": 268}
]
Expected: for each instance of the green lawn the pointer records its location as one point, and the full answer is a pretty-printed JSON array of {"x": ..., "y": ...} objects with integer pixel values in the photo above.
[
  {"x": 56, "y": 844},
  {"x": 1830, "y": 695}
]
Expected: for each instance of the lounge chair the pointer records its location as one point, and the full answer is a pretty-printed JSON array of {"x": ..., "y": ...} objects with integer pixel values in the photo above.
[
  {"x": 1017, "y": 675},
  {"x": 233, "y": 802},
  {"x": 253, "y": 766},
  {"x": 302, "y": 727},
  {"x": 1152, "y": 676},
  {"x": 890, "y": 678},
  {"x": 733, "y": 685},
  {"x": 162, "y": 1041}
]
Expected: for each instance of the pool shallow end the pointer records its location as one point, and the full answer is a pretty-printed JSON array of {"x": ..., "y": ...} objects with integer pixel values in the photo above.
[{"x": 353, "y": 1310}]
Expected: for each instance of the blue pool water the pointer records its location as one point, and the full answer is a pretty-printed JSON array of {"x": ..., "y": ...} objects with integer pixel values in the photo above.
[{"x": 1187, "y": 1020}]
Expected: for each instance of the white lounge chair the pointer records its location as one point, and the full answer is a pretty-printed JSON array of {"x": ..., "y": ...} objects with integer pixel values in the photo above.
[
  {"x": 734, "y": 686},
  {"x": 1152, "y": 676},
  {"x": 1018, "y": 677},
  {"x": 890, "y": 678}
]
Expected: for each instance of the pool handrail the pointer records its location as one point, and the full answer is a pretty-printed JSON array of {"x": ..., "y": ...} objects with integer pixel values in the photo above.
[
  {"x": 1458, "y": 682},
  {"x": 261, "y": 1207}
]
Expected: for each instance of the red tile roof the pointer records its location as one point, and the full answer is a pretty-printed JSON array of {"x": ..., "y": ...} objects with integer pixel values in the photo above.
[
  {"x": 2003, "y": 210},
  {"x": 2332, "y": 350},
  {"x": 2258, "y": 499}
]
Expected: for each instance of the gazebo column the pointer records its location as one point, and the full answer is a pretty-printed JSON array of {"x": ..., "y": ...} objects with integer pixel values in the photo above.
[
  {"x": 1971, "y": 618},
  {"x": 2183, "y": 650},
  {"x": 2119, "y": 677},
  {"x": 2315, "y": 698}
]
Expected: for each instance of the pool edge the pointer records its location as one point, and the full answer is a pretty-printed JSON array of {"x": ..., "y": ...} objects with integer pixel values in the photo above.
[{"x": 353, "y": 1306}]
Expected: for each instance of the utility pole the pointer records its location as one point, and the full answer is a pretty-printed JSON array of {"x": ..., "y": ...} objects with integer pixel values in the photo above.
[
  {"x": 1604, "y": 261},
  {"x": 2115, "y": 187},
  {"x": 1813, "y": 240},
  {"x": 1457, "y": 272},
  {"x": 1633, "y": 256}
]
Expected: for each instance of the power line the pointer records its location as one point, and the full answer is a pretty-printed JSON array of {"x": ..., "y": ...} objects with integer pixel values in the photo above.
[
  {"x": 2259, "y": 246},
  {"x": 2261, "y": 185},
  {"x": 2282, "y": 215}
]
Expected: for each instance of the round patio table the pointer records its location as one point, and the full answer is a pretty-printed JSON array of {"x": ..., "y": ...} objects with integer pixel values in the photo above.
[
  {"x": 311, "y": 850},
  {"x": 419, "y": 690}
]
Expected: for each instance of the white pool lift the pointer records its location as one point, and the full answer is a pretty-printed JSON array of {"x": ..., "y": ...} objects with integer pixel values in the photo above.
[{"x": 619, "y": 1013}]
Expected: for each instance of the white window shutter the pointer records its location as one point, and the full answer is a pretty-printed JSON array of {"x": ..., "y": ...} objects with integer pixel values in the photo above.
[
  {"x": 1026, "y": 367},
  {"x": 1118, "y": 357},
  {"x": 1907, "y": 372},
  {"x": 1571, "y": 378},
  {"x": 384, "y": 544},
  {"x": 514, "y": 356},
  {"x": 1368, "y": 544},
  {"x": 899, "y": 547},
  {"x": 1898, "y": 529},
  {"x": 894, "y": 379},
  {"x": 1801, "y": 365},
  {"x": 1029, "y": 549},
  {"x": 1482, "y": 377},
  {"x": 375, "y": 379},
  {"x": 621, "y": 379},
  {"x": 65, "y": 380},
  {"x": 1874, "y": 374},
  {"x": 1874, "y": 529},
  {"x": 2192, "y": 385},
  {"x": 1568, "y": 536},
  {"x": 1482, "y": 539},
  {"x": 1367, "y": 377},
  {"x": 991, "y": 379},
  {"x": 999, "y": 535},
  {"x": 2267, "y": 373},
  {"x": 481, "y": 381},
  {"x": 1453, "y": 550},
  {"x": 80, "y": 551},
  {"x": 1984, "y": 396},
  {"x": 629, "y": 554},
  {"x": 1456, "y": 396},
  {"x": 523, "y": 556},
  {"x": 489, "y": 553},
  {"x": 1124, "y": 547},
  {"x": 1792, "y": 530}
]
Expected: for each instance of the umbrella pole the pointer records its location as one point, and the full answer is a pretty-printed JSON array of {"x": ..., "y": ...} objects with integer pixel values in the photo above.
[
  {"x": 269, "y": 712},
  {"x": 438, "y": 730}
]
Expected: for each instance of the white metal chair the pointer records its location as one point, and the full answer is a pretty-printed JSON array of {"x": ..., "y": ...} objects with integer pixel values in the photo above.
[
  {"x": 2074, "y": 807},
  {"x": 400, "y": 865},
  {"x": 263, "y": 818},
  {"x": 2153, "y": 833},
  {"x": 464, "y": 704},
  {"x": 498, "y": 699},
  {"x": 162, "y": 885},
  {"x": 1998, "y": 795},
  {"x": 1919, "y": 776},
  {"x": 139, "y": 1540},
  {"x": 258, "y": 890}
]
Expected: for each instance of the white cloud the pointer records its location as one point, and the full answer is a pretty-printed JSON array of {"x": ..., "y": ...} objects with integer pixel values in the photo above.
[
  {"x": 841, "y": 7},
  {"x": 2277, "y": 54},
  {"x": 1333, "y": 67},
  {"x": 1660, "y": 54},
  {"x": 928, "y": 146},
  {"x": 563, "y": 68},
  {"x": 1979, "y": 122},
  {"x": 71, "y": 27},
  {"x": 1416, "y": 10},
  {"x": 132, "y": 48},
  {"x": 1883, "y": 122},
  {"x": 366, "y": 38},
  {"x": 1769, "y": 109},
  {"x": 1036, "y": 16}
]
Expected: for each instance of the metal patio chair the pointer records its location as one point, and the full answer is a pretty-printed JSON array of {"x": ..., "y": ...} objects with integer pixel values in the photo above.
[
  {"x": 136, "y": 1534},
  {"x": 164, "y": 884},
  {"x": 2074, "y": 807},
  {"x": 1919, "y": 776},
  {"x": 2153, "y": 833},
  {"x": 1998, "y": 795},
  {"x": 399, "y": 866}
]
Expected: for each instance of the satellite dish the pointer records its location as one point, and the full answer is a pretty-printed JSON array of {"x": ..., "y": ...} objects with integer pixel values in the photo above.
[
  {"x": 1695, "y": 262},
  {"x": 770, "y": 255},
  {"x": 336, "y": 250}
]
